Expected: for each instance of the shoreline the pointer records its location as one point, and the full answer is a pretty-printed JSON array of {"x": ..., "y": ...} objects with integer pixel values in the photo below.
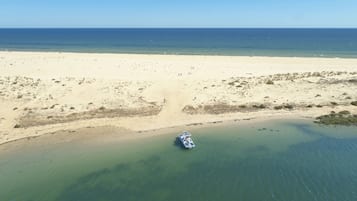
[
  {"x": 121, "y": 132},
  {"x": 95, "y": 136},
  {"x": 177, "y": 54},
  {"x": 44, "y": 92},
  {"x": 172, "y": 54}
]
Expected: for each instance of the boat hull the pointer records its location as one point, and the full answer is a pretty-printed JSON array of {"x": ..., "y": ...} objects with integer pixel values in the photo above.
[{"x": 186, "y": 140}]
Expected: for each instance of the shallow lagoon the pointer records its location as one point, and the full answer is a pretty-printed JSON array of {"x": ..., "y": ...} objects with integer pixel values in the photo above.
[{"x": 277, "y": 160}]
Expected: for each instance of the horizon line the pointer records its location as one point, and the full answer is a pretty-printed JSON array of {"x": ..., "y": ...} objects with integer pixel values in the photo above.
[{"x": 178, "y": 27}]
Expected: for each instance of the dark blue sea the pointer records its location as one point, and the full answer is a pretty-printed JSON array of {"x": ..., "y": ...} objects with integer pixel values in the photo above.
[{"x": 244, "y": 42}]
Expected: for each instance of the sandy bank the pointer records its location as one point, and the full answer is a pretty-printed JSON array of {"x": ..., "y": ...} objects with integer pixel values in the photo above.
[{"x": 47, "y": 92}]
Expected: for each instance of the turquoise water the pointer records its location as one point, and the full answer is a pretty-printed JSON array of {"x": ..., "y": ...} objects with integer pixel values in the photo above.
[
  {"x": 280, "y": 160},
  {"x": 245, "y": 42}
]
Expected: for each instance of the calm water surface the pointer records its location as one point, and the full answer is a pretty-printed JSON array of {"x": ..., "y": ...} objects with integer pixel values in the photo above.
[
  {"x": 245, "y": 42},
  {"x": 290, "y": 160}
]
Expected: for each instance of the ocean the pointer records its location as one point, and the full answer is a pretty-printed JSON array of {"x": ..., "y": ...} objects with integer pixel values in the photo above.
[
  {"x": 242, "y": 42},
  {"x": 272, "y": 161}
]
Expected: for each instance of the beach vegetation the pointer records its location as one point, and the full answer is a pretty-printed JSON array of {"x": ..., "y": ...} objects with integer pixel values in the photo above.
[
  {"x": 341, "y": 118},
  {"x": 344, "y": 112},
  {"x": 354, "y": 81},
  {"x": 316, "y": 74},
  {"x": 284, "y": 106},
  {"x": 278, "y": 107},
  {"x": 188, "y": 109},
  {"x": 17, "y": 126},
  {"x": 270, "y": 82},
  {"x": 261, "y": 106},
  {"x": 288, "y": 106},
  {"x": 232, "y": 83},
  {"x": 333, "y": 103}
]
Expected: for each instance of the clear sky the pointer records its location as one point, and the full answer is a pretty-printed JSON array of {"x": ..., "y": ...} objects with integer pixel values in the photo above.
[{"x": 178, "y": 13}]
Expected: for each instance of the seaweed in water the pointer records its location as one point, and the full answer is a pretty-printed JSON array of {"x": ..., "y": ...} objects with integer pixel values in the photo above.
[{"x": 341, "y": 118}]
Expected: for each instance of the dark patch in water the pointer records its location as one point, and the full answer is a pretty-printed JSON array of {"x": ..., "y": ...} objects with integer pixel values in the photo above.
[
  {"x": 123, "y": 182},
  {"x": 266, "y": 130},
  {"x": 321, "y": 170},
  {"x": 258, "y": 149},
  {"x": 308, "y": 130}
]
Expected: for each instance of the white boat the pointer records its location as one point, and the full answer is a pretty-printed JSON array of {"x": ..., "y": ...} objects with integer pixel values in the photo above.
[{"x": 186, "y": 140}]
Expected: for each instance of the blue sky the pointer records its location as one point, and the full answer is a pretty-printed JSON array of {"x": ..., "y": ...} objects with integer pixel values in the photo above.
[{"x": 178, "y": 13}]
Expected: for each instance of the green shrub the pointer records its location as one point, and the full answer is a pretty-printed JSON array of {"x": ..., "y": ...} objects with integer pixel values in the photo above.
[{"x": 279, "y": 107}]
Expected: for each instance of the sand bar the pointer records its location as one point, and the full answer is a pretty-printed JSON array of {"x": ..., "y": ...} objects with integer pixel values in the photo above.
[{"x": 47, "y": 92}]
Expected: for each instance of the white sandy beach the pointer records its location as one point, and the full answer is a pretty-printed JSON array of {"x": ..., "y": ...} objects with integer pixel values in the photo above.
[{"x": 48, "y": 92}]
